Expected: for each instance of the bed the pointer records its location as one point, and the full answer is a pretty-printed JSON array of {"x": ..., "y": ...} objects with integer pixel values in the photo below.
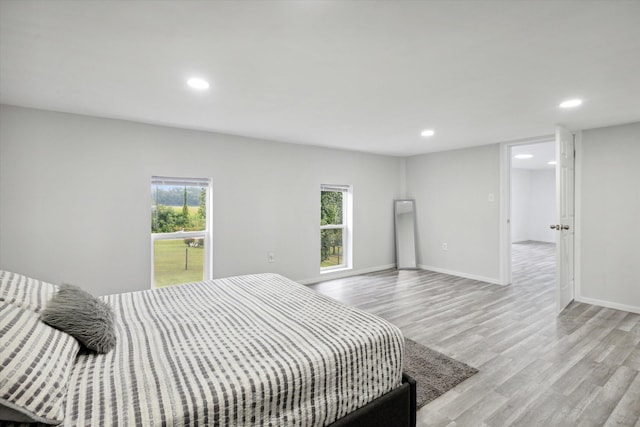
[{"x": 241, "y": 351}]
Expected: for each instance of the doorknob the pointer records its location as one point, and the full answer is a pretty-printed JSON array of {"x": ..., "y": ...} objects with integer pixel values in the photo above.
[
  {"x": 555, "y": 227},
  {"x": 565, "y": 227}
]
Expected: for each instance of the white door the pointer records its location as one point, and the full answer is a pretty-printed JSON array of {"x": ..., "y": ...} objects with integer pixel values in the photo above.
[{"x": 565, "y": 156}]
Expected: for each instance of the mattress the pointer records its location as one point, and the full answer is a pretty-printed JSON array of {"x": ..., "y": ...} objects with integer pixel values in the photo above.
[{"x": 247, "y": 350}]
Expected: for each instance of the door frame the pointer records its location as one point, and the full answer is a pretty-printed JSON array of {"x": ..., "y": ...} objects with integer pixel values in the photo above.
[
  {"x": 577, "y": 197},
  {"x": 505, "y": 208},
  {"x": 505, "y": 202}
]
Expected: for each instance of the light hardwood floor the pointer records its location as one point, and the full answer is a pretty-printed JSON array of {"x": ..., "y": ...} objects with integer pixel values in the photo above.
[{"x": 577, "y": 369}]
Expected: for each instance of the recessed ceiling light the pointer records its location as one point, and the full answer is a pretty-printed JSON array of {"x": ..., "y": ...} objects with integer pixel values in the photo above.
[
  {"x": 523, "y": 156},
  {"x": 427, "y": 132},
  {"x": 197, "y": 83},
  {"x": 552, "y": 162},
  {"x": 571, "y": 103}
]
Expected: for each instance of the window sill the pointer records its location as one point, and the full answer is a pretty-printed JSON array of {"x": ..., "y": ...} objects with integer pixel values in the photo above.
[{"x": 335, "y": 270}]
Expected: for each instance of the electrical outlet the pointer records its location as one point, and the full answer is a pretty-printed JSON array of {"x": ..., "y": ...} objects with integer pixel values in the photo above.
[
  {"x": 445, "y": 247},
  {"x": 492, "y": 197},
  {"x": 271, "y": 257}
]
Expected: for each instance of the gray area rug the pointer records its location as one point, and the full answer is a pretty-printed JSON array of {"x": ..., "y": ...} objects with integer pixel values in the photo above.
[{"x": 434, "y": 372}]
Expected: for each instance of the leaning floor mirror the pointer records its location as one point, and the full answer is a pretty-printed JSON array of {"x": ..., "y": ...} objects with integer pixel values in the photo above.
[{"x": 405, "y": 217}]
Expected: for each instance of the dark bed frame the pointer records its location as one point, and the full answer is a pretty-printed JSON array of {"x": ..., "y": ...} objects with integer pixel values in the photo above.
[{"x": 394, "y": 409}]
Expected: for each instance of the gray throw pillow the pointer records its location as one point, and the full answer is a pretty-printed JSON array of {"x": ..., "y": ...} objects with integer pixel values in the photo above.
[{"x": 83, "y": 316}]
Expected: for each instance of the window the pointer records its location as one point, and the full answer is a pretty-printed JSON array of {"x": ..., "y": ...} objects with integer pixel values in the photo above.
[
  {"x": 335, "y": 227},
  {"x": 180, "y": 230}
]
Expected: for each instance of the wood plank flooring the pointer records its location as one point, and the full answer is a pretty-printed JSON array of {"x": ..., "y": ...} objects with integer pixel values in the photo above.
[{"x": 577, "y": 369}]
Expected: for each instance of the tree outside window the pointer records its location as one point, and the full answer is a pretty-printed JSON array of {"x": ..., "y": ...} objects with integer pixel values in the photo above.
[
  {"x": 180, "y": 230},
  {"x": 334, "y": 230}
]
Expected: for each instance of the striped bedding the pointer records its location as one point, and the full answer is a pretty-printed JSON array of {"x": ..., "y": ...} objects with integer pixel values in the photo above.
[{"x": 248, "y": 350}]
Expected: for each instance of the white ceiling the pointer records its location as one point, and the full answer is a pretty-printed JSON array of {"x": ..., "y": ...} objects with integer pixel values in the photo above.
[
  {"x": 358, "y": 75},
  {"x": 542, "y": 153}
]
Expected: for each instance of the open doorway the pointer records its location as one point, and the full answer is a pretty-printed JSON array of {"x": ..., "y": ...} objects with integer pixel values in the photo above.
[{"x": 532, "y": 210}]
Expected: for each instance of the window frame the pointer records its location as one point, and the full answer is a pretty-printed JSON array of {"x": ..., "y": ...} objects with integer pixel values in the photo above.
[
  {"x": 207, "y": 273},
  {"x": 346, "y": 227}
]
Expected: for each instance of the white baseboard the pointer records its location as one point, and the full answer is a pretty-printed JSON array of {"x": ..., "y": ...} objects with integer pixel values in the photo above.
[
  {"x": 344, "y": 273},
  {"x": 348, "y": 273},
  {"x": 460, "y": 274},
  {"x": 609, "y": 304}
]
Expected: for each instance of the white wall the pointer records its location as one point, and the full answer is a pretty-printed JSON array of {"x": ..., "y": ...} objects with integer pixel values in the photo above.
[
  {"x": 533, "y": 205},
  {"x": 75, "y": 199},
  {"x": 520, "y": 204},
  {"x": 543, "y": 205},
  {"x": 451, "y": 190},
  {"x": 609, "y": 216}
]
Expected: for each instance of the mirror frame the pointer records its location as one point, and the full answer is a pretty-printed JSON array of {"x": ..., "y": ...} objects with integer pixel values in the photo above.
[{"x": 415, "y": 234}]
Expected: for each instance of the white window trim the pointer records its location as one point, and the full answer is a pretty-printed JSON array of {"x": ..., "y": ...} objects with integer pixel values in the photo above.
[
  {"x": 206, "y": 234},
  {"x": 346, "y": 226}
]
